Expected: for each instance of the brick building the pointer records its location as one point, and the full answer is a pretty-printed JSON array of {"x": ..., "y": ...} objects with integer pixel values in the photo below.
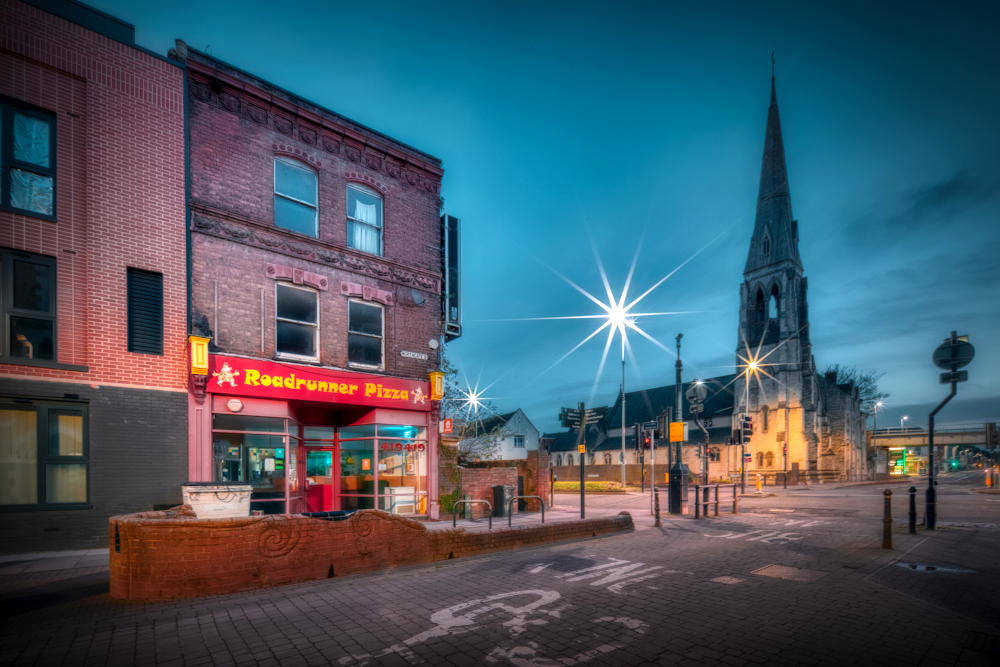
[
  {"x": 92, "y": 276},
  {"x": 316, "y": 275}
]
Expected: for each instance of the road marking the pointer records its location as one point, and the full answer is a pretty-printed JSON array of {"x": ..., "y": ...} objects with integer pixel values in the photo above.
[
  {"x": 727, "y": 580},
  {"x": 521, "y": 652},
  {"x": 768, "y": 536}
]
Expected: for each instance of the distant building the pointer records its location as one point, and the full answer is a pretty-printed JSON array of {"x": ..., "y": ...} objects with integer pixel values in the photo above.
[
  {"x": 93, "y": 333},
  {"x": 803, "y": 419},
  {"x": 521, "y": 435},
  {"x": 316, "y": 273}
]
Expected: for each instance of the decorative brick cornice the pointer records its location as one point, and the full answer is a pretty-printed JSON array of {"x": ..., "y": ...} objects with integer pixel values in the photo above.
[
  {"x": 221, "y": 224},
  {"x": 247, "y": 101}
]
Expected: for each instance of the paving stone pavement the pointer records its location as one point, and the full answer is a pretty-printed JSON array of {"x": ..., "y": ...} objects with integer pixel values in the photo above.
[{"x": 683, "y": 594}]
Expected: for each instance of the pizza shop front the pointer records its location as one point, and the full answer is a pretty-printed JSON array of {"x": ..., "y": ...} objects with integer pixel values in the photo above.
[{"x": 308, "y": 439}]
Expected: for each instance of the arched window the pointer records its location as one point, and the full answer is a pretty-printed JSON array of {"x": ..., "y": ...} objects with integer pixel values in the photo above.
[
  {"x": 767, "y": 246},
  {"x": 558, "y": 459},
  {"x": 763, "y": 418},
  {"x": 607, "y": 459},
  {"x": 759, "y": 307},
  {"x": 774, "y": 304},
  {"x": 769, "y": 459},
  {"x": 569, "y": 459},
  {"x": 364, "y": 219},
  {"x": 295, "y": 196},
  {"x": 760, "y": 459}
]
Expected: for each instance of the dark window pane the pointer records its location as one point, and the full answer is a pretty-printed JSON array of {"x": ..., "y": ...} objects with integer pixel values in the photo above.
[
  {"x": 365, "y": 319},
  {"x": 294, "y": 216},
  {"x": 364, "y": 207},
  {"x": 30, "y": 191},
  {"x": 66, "y": 483},
  {"x": 31, "y": 286},
  {"x": 31, "y": 339},
  {"x": 297, "y": 339},
  {"x": 241, "y": 423},
  {"x": 31, "y": 139},
  {"x": 295, "y": 182},
  {"x": 145, "y": 312},
  {"x": 296, "y": 304},
  {"x": 364, "y": 350}
]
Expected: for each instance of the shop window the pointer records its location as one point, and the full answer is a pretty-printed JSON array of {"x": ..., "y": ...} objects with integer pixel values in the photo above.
[
  {"x": 256, "y": 451},
  {"x": 28, "y": 140},
  {"x": 519, "y": 441},
  {"x": 381, "y": 466},
  {"x": 364, "y": 219},
  {"x": 364, "y": 335},
  {"x": 295, "y": 197},
  {"x": 145, "y": 312},
  {"x": 297, "y": 322},
  {"x": 28, "y": 300},
  {"x": 43, "y": 454}
]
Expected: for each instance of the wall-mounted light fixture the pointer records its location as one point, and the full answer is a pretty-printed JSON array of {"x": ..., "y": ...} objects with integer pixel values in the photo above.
[
  {"x": 199, "y": 355},
  {"x": 437, "y": 385}
]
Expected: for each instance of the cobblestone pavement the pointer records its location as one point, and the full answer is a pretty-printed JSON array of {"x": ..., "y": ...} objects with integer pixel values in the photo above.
[{"x": 689, "y": 593}]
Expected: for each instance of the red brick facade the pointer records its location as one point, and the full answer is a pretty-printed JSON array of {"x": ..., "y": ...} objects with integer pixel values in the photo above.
[
  {"x": 118, "y": 117},
  {"x": 166, "y": 555},
  {"x": 119, "y": 192},
  {"x": 239, "y": 125}
]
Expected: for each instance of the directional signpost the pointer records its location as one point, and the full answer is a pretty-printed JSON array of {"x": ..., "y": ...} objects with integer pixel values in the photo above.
[
  {"x": 954, "y": 353},
  {"x": 579, "y": 418}
]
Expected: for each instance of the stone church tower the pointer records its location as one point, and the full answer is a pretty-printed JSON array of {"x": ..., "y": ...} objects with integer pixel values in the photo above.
[{"x": 792, "y": 425}]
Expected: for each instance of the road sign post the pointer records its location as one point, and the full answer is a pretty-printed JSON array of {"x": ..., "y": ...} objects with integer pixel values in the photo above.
[{"x": 954, "y": 353}]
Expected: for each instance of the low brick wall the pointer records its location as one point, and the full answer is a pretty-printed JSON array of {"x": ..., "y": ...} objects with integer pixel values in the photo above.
[
  {"x": 173, "y": 554},
  {"x": 478, "y": 483}
]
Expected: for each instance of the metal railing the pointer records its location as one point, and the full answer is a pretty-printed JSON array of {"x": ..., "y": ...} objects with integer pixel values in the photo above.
[
  {"x": 510, "y": 507},
  {"x": 701, "y": 498},
  {"x": 454, "y": 514}
]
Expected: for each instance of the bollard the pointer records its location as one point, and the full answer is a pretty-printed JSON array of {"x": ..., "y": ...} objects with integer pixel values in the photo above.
[
  {"x": 913, "y": 510},
  {"x": 758, "y": 483},
  {"x": 887, "y": 521},
  {"x": 697, "y": 501},
  {"x": 656, "y": 505}
]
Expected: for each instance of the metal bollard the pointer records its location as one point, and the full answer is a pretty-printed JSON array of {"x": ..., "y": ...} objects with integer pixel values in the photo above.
[
  {"x": 887, "y": 521},
  {"x": 913, "y": 510},
  {"x": 656, "y": 505},
  {"x": 697, "y": 501}
]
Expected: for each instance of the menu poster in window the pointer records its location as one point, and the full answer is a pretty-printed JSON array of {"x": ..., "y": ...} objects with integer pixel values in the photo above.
[
  {"x": 411, "y": 468},
  {"x": 366, "y": 464},
  {"x": 293, "y": 477},
  {"x": 269, "y": 465}
]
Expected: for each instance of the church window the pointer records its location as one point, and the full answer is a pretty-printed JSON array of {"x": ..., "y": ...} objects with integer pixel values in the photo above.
[
  {"x": 569, "y": 459},
  {"x": 767, "y": 246},
  {"x": 769, "y": 459},
  {"x": 760, "y": 459},
  {"x": 773, "y": 304},
  {"x": 763, "y": 418},
  {"x": 558, "y": 459}
]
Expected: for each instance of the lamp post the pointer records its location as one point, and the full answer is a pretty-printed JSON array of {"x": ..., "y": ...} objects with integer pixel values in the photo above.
[{"x": 878, "y": 405}]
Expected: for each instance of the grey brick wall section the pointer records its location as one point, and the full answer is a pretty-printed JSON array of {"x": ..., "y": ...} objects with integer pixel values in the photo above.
[{"x": 138, "y": 459}]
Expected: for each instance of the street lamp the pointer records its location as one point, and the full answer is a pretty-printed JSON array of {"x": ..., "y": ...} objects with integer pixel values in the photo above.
[
  {"x": 903, "y": 419},
  {"x": 878, "y": 406}
]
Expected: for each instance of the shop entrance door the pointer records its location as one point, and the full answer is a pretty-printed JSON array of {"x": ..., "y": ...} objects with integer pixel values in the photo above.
[{"x": 321, "y": 495}]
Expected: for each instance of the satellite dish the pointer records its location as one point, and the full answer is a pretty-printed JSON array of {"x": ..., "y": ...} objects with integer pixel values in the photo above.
[{"x": 433, "y": 343}]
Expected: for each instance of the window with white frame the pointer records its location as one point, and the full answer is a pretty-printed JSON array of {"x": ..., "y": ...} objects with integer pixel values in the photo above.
[
  {"x": 519, "y": 441},
  {"x": 295, "y": 197},
  {"x": 365, "y": 329},
  {"x": 364, "y": 219},
  {"x": 28, "y": 152},
  {"x": 296, "y": 322}
]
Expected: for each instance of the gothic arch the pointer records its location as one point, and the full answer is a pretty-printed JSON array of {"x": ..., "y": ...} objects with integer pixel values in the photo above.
[
  {"x": 760, "y": 459},
  {"x": 769, "y": 459},
  {"x": 558, "y": 459},
  {"x": 774, "y": 302},
  {"x": 569, "y": 459}
]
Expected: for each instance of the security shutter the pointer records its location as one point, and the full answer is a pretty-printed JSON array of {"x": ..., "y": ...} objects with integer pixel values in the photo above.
[{"x": 145, "y": 312}]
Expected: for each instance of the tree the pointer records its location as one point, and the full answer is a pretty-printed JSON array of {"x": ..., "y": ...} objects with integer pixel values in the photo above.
[
  {"x": 481, "y": 428},
  {"x": 866, "y": 383}
]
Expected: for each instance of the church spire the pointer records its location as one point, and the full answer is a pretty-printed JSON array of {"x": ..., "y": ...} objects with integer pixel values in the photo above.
[{"x": 775, "y": 237}]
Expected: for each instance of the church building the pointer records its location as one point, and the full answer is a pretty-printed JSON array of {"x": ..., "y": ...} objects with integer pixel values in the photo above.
[{"x": 804, "y": 422}]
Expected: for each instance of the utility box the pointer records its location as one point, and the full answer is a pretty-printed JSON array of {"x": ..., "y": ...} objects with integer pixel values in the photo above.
[
  {"x": 502, "y": 495},
  {"x": 217, "y": 500}
]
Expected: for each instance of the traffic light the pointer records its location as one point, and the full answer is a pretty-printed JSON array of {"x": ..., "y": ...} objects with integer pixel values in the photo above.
[
  {"x": 646, "y": 440},
  {"x": 637, "y": 436},
  {"x": 746, "y": 428}
]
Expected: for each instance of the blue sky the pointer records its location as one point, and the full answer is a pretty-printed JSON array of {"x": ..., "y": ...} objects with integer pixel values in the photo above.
[{"x": 630, "y": 120}]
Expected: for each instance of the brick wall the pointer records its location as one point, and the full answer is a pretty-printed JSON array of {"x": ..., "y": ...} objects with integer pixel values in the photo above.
[
  {"x": 167, "y": 555},
  {"x": 137, "y": 459},
  {"x": 238, "y": 126},
  {"x": 119, "y": 192},
  {"x": 478, "y": 483}
]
